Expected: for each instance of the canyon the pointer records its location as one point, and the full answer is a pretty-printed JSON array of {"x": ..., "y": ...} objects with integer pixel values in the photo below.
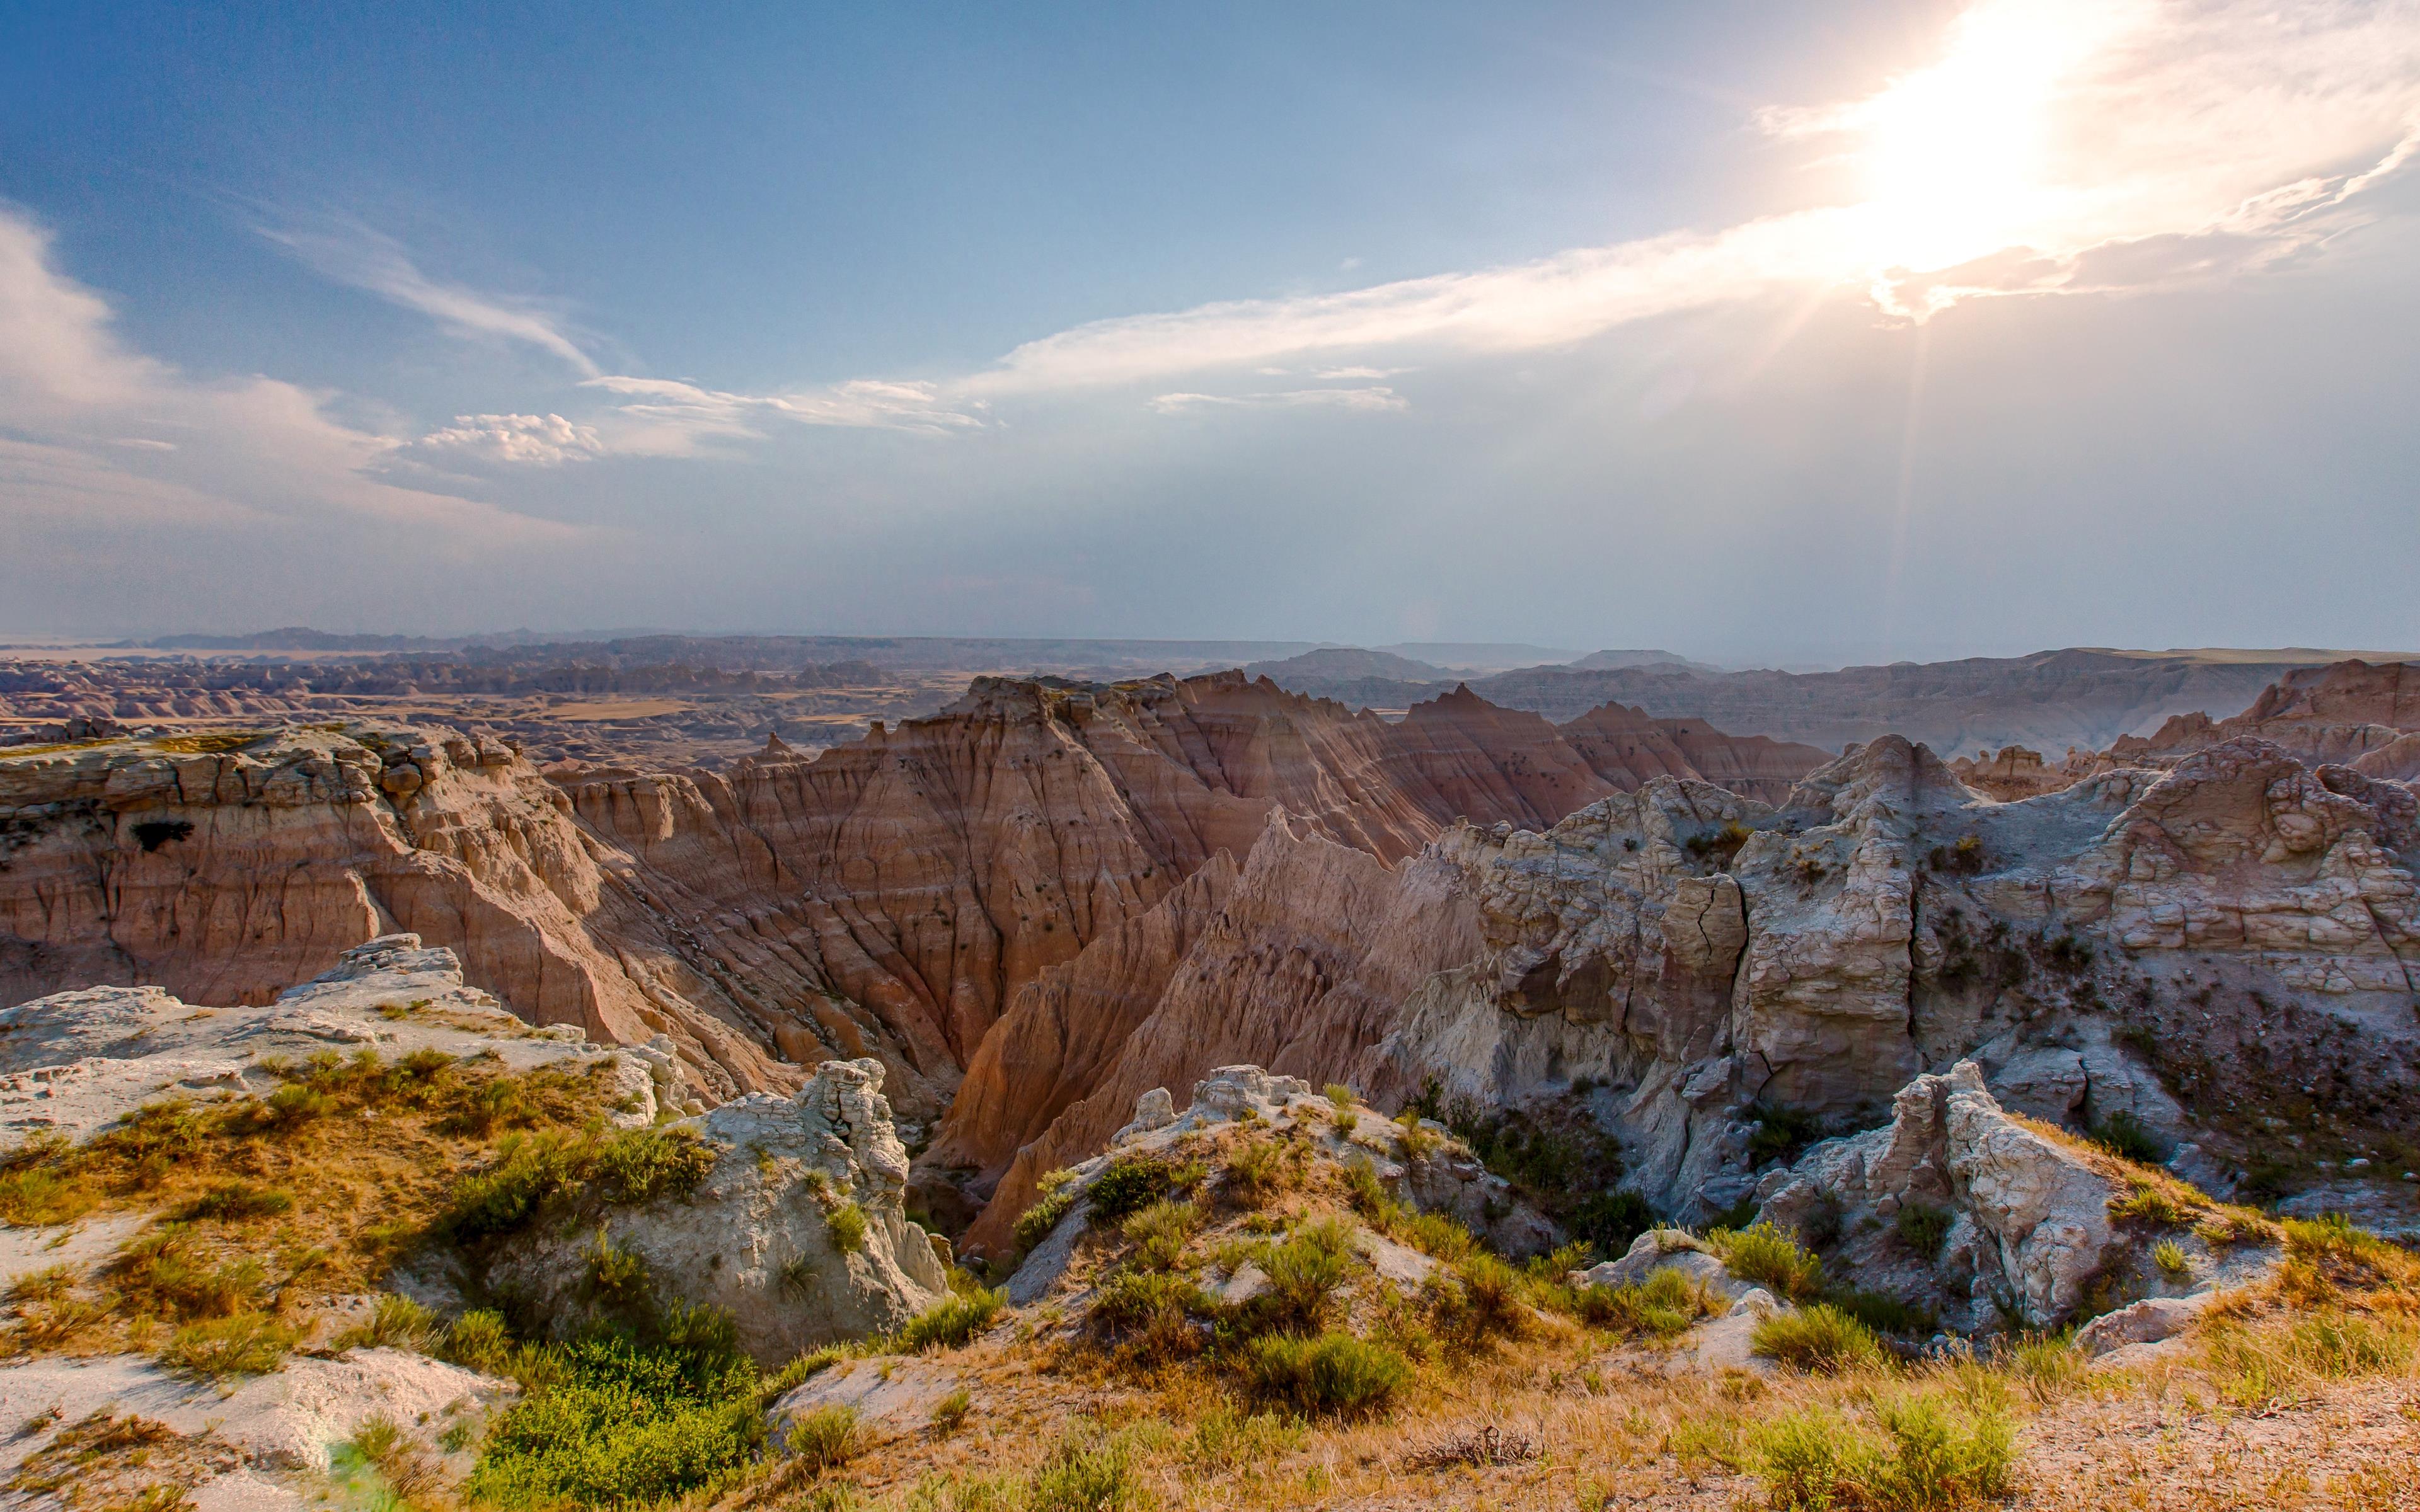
[{"x": 1055, "y": 896}]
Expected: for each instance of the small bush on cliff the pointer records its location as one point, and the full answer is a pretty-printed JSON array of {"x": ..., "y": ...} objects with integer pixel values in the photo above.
[
  {"x": 1131, "y": 1183},
  {"x": 1821, "y": 1339},
  {"x": 1930, "y": 1455},
  {"x": 845, "y": 1222},
  {"x": 951, "y": 1324},
  {"x": 2125, "y": 1135},
  {"x": 629, "y": 1167},
  {"x": 1055, "y": 1196},
  {"x": 1765, "y": 1254},
  {"x": 1334, "y": 1375},
  {"x": 1922, "y": 1228}
]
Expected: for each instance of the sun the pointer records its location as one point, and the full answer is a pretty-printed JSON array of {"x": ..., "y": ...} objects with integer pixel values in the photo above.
[{"x": 1957, "y": 155}]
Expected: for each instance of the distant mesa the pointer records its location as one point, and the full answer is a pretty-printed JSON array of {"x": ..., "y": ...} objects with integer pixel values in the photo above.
[{"x": 1615, "y": 660}]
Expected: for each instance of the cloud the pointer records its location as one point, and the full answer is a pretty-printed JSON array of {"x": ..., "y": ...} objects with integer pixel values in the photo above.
[
  {"x": 1367, "y": 400},
  {"x": 536, "y": 440},
  {"x": 668, "y": 417},
  {"x": 2143, "y": 119},
  {"x": 351, "y": 254},
  {"x": 101, "y": 436}
]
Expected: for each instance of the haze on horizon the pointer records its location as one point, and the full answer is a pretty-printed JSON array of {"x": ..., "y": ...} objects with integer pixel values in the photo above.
[{"x": 1762, "y": 332}]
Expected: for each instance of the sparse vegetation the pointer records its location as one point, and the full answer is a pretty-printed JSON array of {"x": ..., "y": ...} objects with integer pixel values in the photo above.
[
  {"x": 243, "y": 1343},
  {"x": 1767, "y": 1254},
  {"x": 845, "y": 1223},
  {"x": 1332, "y": 1375},
  {"x": 1130, "y": 1182},
  {"x": 2169, "y": 1256},
  {"x": 1820, "y": 1338},
  {"x": 1928, "y": 1454},
  {"x": 949, "y": 1323},
  {"x": 1922, "y": 1228}
]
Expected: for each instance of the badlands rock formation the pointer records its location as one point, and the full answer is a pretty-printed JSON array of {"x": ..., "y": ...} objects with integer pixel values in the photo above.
[
  {"x": 2202, "y": 948},
  {"x": 2366, "y": 717},
  {"x": 73, "y": 1063},
  {"x": 888, "y": 898},
  {"x": 1438, "y": 1176},
  {"x": 767, "y": 1236}
]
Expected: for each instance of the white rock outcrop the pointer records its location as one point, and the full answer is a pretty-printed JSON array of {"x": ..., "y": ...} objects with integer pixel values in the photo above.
[
  {"x": 798, "y": 1229},
  {"x": 2028, "y": 1226},
  {"x": 75, "y": 1062}
]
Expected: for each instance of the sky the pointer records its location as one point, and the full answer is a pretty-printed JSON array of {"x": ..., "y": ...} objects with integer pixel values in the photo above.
[{"x": 1780, "y": 331}]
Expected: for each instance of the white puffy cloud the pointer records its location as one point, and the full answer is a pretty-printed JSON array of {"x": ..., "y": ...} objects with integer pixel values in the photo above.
[{"x": 536, "y": 440}]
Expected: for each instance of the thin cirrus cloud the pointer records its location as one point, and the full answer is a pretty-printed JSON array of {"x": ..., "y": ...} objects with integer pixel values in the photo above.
[
  {"x": 1371, "y": 400},
  {"x": 2054, "y": 148},
  {"x": 346, "y": 252},
  {"x": 2049, "y": 138}
]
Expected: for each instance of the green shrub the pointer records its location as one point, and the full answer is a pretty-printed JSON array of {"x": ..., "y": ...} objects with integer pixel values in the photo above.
[
  {"x": 802, "y": 1369},
  {"x": 1257, "y": 1170},
  {"x": 823, "y": 1438},
  {"x": 1882, "y": 1313},
  {"x": 40, "y": 1195},
  {"x": 1923, "y": 1228},
  {"x": 2170, "y": 1257},
  {"x": 1666, "y": 1304},
  {"x": 629, "y": 1167},
  {"x": 167, "y": 1272},
  {"x": 1766, "y": 1253},
  {"x": 1342, "y": 1096},
  {"x": 1152, "y": 1310},
  {"x": 235, "y": 1200},
  {"x": 394, "y": 1323},
  {"x": 2123, "y": 1134},
  {"x": 625, "y": 1423},
  {"x": 845, "y": 1222},
  {"x": 1819, "y": 1339},
  {"x": 2049, "y": 1368},
  {"x": 1131, "y": 1183},
  {"x": 950, "y": 1412},
  {"x": 1608, "y": 1221},
  {"x": 1479, "y": 1300},
  {"x": 478, "y": 1341},
  {"x": 1781, "y": 1133},
  {"x": 246, "y": 1343},
  {"x": 1333, "y": 1375},
  {"x": 1084, "y": 1475},
  {"x": 1304, "y": 1273},
  {"x": 1036, "y": 1222},
  {"x": 952, "y": 1323},
  {"x": 1158, "y": 1233},
  {"x": 1928, "y": 1456}
]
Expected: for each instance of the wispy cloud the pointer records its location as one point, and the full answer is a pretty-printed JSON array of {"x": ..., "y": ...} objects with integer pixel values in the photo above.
[
  {"x": 361, "y": 257},
  {"x": 102, "y": 436},
  {"x": 666, "y": 416},
  {"x": 1367, "y": 400},
  {"x": 2144, "y": 120}
]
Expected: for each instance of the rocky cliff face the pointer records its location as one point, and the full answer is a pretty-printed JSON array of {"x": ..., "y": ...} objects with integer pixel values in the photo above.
[
  {"x": 890, "y": 898},
  {"x": 2362, "y": 716},
  {"x": 2240, "y": 929}
]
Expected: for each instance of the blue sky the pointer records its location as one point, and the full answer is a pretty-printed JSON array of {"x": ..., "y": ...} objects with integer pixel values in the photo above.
[{"x": 1765, "y": 332}]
